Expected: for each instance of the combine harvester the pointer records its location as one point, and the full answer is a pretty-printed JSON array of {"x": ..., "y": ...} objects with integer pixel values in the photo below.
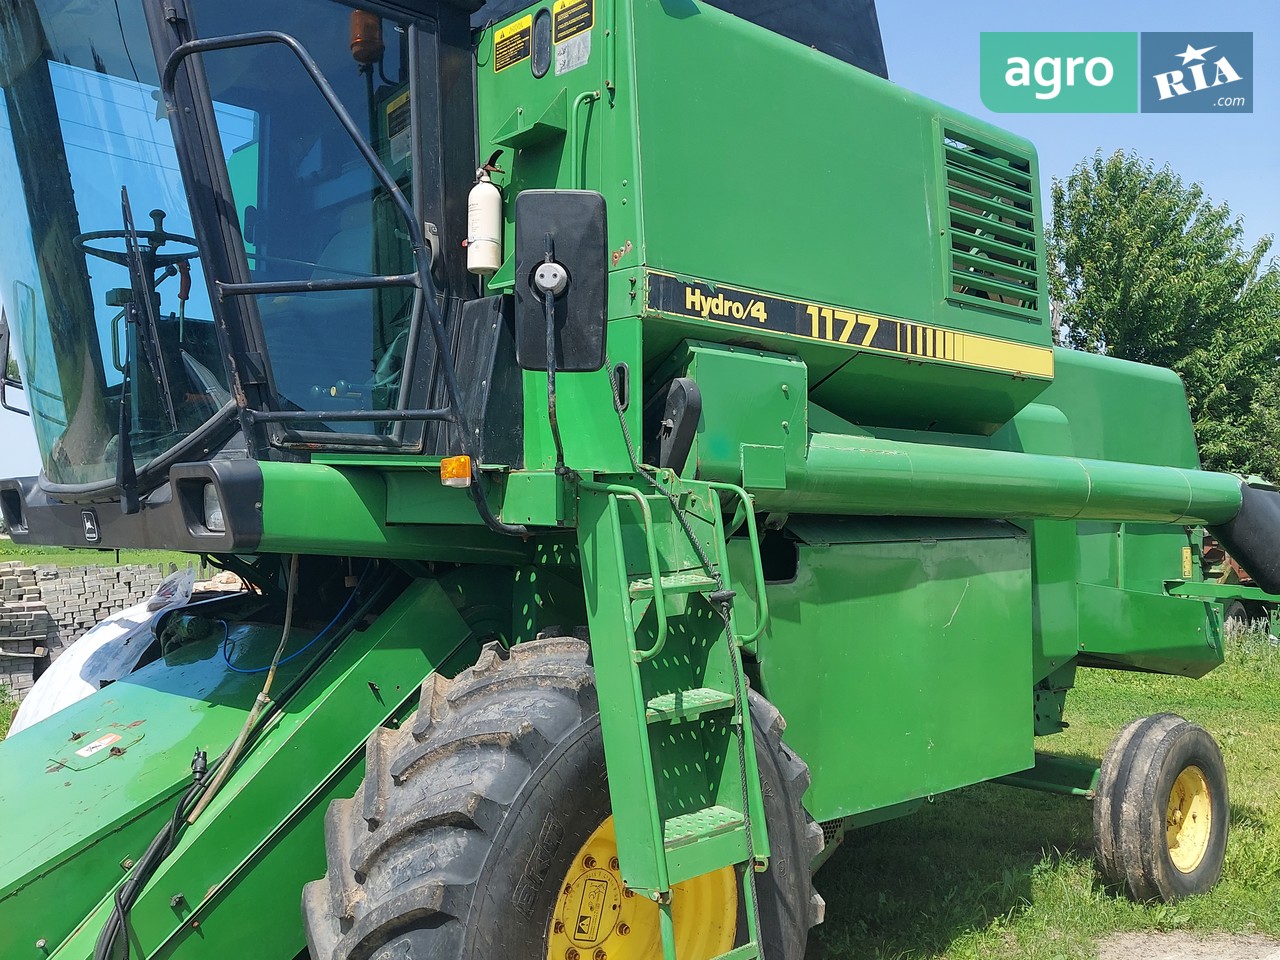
[{"x": 582, "y": 388}]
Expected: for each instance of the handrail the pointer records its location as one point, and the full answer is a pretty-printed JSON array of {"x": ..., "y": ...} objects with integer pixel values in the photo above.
[
  {"x": 577, "y": 140},
  {"x": 655, "y": 571},
  {"x": 425, "y": 293},
  {"x": 762, "y": 599}
]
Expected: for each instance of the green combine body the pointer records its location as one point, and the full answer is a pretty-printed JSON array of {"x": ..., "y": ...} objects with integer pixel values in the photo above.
[{"x": 806, "y": 448}]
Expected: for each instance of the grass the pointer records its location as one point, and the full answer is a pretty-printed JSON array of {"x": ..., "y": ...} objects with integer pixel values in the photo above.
[
  {"x": 999, "y": 872},
  {"x": 8, "y": 707},
  {"x": 70, "y": 557}
]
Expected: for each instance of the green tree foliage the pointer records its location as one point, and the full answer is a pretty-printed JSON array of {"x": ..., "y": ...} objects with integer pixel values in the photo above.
[{"x": 1147, "y": 268}]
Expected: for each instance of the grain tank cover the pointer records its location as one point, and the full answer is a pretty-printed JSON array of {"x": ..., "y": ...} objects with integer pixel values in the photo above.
[
  {"x": 790, "y": 202},
  {"x": 845, "y": 29}
]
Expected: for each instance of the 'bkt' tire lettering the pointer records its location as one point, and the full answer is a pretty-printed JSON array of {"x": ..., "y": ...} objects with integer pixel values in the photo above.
[{"x": 696, "y": 302}]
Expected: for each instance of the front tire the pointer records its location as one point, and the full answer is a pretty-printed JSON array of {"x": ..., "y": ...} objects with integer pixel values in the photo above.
[{"x": 473, "y": 816}]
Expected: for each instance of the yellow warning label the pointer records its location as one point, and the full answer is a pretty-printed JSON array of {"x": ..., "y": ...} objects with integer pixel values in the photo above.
[
  {"x": 570, "y": 18},
  {"x": 512, "y": 43},
  {"x": 590, "y": 911}
]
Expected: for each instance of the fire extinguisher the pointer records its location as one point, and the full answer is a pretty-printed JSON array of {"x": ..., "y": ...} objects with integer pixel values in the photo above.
[{"x": 484, "y": 221}]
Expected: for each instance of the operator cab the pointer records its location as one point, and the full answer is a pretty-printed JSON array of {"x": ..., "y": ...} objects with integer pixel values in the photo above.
[{"x": 171, "y": 266}]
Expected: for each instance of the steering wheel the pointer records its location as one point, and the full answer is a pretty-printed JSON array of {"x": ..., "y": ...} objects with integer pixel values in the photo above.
[{"x": 153, "y": 240}]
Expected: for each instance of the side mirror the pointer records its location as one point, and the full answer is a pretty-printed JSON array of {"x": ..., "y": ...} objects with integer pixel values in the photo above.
[
  {"x": 9, "y": 376},
  {"x": 565, "y": 227}
]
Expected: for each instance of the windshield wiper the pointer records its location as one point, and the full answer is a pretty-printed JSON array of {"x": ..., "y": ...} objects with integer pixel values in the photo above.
[{"x": 141, "y": 312}]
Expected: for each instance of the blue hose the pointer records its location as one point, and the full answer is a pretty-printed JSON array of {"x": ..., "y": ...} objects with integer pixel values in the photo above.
[{"x": 226, "y": 637}]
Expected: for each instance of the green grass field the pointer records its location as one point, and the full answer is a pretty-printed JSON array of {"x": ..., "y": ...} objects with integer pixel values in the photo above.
[
  {"x": 68, "y": 557},
  {"x": 8, "y": 707},
  {"x": 998, "y": 872}
]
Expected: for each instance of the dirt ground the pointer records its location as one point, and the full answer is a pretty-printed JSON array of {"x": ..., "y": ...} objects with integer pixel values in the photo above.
[{"x": 1184, "y": 946}]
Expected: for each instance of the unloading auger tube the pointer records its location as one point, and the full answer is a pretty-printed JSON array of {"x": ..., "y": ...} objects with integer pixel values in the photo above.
[
  {"x": 872, "y": 476},
  {"x": 865, "y": 475}
]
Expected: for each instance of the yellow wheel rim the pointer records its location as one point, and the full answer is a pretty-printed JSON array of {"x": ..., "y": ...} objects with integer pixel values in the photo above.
[
  {"x": 1189, "y": 819},
  {"x": 597, "y": 918}
]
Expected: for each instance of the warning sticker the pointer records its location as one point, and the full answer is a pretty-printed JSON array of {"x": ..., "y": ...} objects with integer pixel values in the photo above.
[
  {"x": 570, "y": 18},
  {"x": 399, "y": 128},
  {"x": 590, "y": 911},
  {"x": 104, "y": 741},
  {"x": 573, "y": 53},
  {"x": 512, "y": 44}
]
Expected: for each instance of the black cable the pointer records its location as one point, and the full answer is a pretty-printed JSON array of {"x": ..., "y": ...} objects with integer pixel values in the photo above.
[
  {"x": 549, "y": 303},
  {"x": 166, "y": 839}
]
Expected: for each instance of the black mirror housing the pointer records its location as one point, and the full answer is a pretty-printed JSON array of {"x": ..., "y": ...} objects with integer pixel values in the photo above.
[{"x": 571, "y": 226}]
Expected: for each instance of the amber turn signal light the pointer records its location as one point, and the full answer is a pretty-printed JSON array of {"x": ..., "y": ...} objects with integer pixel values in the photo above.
[{"x": 455, "y": 471}]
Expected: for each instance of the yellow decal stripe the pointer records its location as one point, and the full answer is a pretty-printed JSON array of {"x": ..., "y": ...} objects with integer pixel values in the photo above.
[{"x": 703, "y": 300}]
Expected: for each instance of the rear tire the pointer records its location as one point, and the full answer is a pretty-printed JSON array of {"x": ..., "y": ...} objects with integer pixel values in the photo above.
[
  {"x": 1161, "y": 814},
  {"x": 1236, "y": 618},
  {"x": 470, "y": 814}
]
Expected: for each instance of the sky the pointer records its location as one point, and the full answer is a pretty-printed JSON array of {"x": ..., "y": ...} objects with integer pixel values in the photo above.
[{"x": 932, "y": 48}]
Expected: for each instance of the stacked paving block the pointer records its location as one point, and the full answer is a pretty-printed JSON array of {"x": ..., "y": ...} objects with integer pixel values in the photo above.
[{"x": 43, "y": 610}]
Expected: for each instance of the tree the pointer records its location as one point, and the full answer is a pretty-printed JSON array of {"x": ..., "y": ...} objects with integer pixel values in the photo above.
[{"x": 1147, "y": 268}]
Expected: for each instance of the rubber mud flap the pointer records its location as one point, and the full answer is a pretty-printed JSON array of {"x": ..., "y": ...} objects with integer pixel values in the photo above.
[{"x": 1252, "y": 537}]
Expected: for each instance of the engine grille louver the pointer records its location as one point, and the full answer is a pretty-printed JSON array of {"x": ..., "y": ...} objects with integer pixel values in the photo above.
[{"x": 993, "y": 249}]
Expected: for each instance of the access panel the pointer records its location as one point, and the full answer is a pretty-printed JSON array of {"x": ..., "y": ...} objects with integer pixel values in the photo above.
[{"x": 900, "y": 655}]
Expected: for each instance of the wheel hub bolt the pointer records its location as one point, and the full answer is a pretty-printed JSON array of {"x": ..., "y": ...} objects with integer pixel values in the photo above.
[
  {"x": 559, "y": 927},
  {"x": 589, "y": 861},
  {"x": 601, "y": 955},
  {"x": 628, "y": 893},
  {"x": 613, "y": 863},
  {"x": 623, "y": 929},
  {"x": 571, "y": 954}
]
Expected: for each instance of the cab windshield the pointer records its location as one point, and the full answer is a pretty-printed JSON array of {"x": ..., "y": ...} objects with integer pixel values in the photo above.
[
  {"x": 80, "y": 127},
  {"x": 113, "y": 321}
]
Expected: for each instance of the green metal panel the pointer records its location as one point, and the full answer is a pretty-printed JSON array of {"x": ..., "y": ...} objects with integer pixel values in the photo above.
[
  {"x": 1147, "y": 631},
  {"x": 843, "y": 220},
  {"x": 1055, "y": 555},
  {"x": 754, "y": 410},
  {"x": 343, "y": 511},
  {"x": 900, "y": 656},
  {"x": 263, "y": 832},
  {"x": 73, "y": 828}
]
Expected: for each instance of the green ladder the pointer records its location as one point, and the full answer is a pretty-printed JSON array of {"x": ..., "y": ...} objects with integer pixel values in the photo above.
[{"x": 673, "y": 712}]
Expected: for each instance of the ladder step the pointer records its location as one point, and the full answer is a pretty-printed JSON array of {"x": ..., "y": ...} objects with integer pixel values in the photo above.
[
  {"x": 673, "y": 583},
  {"x": 748, "y": 951},
  {"x": 686, "y": 704},
  {"x": 699, "y": 825}
]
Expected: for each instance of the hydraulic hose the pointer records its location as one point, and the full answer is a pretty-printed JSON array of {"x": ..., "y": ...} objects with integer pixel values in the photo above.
[
  {"x": 166, "y": 840},
  {"x": 259, "y": 703}
]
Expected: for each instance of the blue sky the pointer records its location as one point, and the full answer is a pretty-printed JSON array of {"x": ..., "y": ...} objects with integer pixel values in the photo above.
[{"x": 932, "y": 48}]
